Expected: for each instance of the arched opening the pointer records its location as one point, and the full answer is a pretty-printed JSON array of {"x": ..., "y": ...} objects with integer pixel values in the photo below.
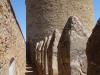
[{"x": 12, "y": 67}]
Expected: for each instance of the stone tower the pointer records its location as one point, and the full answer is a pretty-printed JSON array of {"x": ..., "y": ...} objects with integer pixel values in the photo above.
[{"x": 44, "y": 16}]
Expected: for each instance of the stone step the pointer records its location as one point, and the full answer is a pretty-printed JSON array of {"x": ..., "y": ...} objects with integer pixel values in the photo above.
[{"x": 29, "y": 70}]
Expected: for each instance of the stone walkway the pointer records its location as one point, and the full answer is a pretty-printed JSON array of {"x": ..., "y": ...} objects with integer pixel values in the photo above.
[{"x": 30, "y": 70}]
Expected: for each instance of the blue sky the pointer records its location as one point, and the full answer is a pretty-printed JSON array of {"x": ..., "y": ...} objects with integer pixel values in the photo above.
[
  {"x": 20, "y": 12},
  {"x": 19, "y": 7},
  {"x": 96, "y": 9}
]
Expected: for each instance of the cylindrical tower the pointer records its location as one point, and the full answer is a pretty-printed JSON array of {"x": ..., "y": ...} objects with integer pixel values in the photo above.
[{"x": 44, "y": 16}]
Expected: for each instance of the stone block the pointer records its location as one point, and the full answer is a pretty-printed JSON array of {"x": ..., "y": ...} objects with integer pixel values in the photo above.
[
  {"x": 52, "y": 52},
  {"x": 71, "y": 49}
]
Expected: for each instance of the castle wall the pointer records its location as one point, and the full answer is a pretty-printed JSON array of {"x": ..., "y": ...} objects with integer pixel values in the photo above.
[
  {"x": 63, "y": 53},
  {"x": 12, "y": 43},
  {"x": 44, "y": 16}
]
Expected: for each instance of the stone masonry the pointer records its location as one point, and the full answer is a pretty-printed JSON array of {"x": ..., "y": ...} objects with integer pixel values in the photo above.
[
  {"x": 93, "y": 51},
  {"x": 65, "y": 52},
  {"x": 56, "y": 40},
  {"x": 52, "y": 53},
  {"x": 72, "y": 58},
  {"x": 44, "y": 16},
  {"x": 12, "y": 43}
]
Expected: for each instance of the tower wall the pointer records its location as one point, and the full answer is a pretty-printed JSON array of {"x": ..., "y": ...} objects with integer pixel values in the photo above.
[{"x": 44, "y": 16}]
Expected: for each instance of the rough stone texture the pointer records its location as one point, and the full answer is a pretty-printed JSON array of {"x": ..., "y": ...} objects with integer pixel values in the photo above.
[
  {"x": 93, "y": 51},
  {"x": 36, "y": 51},
  {"x": 12, "y": 43},
  {"x": 71, "y": 49},
  {"x": 39, "y": 58},
  {"x": 52, "y": 54},
  {"x": 43, "y": 52},
  {"x": 45, "y": 56},
  {"x": 39, "y": 54},
  {"x": 44, "y": 16}
]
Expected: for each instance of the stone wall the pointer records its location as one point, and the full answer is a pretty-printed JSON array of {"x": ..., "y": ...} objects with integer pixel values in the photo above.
[
  {"x": 93, "y": 51},
  {"x": 44, "y": 16},
  {"x": 12, "y": 43},
  {"x": 71, "y": 52},
  {"x": 63, "y": 53}
]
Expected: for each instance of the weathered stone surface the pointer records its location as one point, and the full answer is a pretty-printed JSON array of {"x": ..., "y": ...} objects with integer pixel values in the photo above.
[
  {"x": 39, "y": 58},
  {"x": 52, "y": 53},
  {"x": 44, "y": 16},
  {"x": 71, "y": 49},
  {"x": 39, "y": 53},
  {"x": 93, "y": 51},
  {"x": 36, "y": 51},
  {"x": 1, "y": 11},
  {"x": 12, "y": 43},
  {"x": 45, "y": 56},
  {"x": 43, "y": 53}
]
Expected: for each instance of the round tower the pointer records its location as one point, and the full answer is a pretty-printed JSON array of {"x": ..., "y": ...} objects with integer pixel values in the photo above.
[{"x": 44, "y": 16}]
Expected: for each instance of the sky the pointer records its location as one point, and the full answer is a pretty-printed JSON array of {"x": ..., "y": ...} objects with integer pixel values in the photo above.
[
  {"x": 96, "y": 9},
  {"x": 19, "y": 7}
]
